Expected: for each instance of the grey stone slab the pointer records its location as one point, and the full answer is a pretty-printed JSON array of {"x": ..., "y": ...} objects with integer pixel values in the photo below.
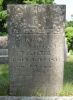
[
  {"x": 35, "y": 98},
  {"x": 3, "y": 59},
  {"x": 3, "y": 51},
  {"x": 3, "y": 56},
  {"x": 36, "y": 49}
]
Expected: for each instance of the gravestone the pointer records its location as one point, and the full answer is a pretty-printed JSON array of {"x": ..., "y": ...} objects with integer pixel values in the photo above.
[{"x": 36, "y": 49}]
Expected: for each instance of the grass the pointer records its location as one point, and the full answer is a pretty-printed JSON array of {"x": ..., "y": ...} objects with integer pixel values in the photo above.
[
  {"x": 68, "y": 78},
  {"x": 4, "y": 79}
]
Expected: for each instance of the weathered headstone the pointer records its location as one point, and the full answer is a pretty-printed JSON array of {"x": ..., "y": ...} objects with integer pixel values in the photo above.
[{"x": 36, "y": 49}]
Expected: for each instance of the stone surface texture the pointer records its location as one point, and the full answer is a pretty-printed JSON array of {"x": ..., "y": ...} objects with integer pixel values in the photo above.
[
  {"x": 35, "y": 98},
  {"x": 36, "y": 49},
  {"x": 3, "y": 59},
  {"x": 3, "y": 56}
]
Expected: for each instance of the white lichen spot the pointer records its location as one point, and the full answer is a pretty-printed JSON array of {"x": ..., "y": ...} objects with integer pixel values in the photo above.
[{"x": 18, "y": 9}]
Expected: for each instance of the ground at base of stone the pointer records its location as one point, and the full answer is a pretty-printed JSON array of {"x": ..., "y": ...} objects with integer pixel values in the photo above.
[{"x": 36, "y": 98}]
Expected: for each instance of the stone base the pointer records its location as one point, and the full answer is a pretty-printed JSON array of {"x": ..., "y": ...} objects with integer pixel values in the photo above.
[
  {"x": 3, "y": 59},
  {"x": 35, "y": 98}
]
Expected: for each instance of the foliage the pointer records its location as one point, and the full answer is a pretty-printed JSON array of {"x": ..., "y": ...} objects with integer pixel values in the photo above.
[
  {"x": 38, "y": 1},
  {"x": 69, "y": 35},
  {"x": 3, "y": 15},
  {"x": 71, "y": 52},
  {"x": 3, "y": 33},
  {"x": 1, "y": 1},
  {"x": 69, "y": 24}
]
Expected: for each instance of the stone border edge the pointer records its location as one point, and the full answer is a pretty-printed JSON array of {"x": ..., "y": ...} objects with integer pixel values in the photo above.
[{"x": 36, "y": 98}]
